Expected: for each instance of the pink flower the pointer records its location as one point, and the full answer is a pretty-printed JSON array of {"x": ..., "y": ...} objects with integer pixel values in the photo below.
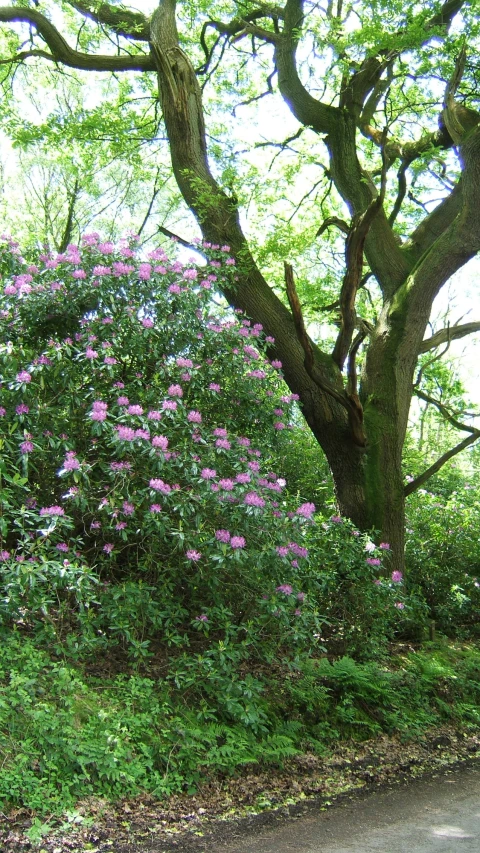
[
  {"x": 62, "y": 546},
  {"x": 52, "y": 510},
  {"x": 226, "y": 484},
  {"x": 71, "y": 463},
  {"x": 120, "y": 466},
  {"x": 298, "y": 550},
  {"x": 169, "y": 405},
  {"x": 91, "y": 353},
  {"x": 279, "y": 425},
  {"x": 109, "y": 359},
  {"x": 154, "y": 415},
  {"x": 160, "y": 486},
  {"x": 223, "y": 444},
  {"x": 79, "y": 274},
  {"x": 135, "y": 410},
  {"x": 24, "y": 376},
  {"x": 190, "y": 275},
  {"x": 145, "y": 272},
  {"x": 125, "y": 433},
  {"x": 243, "y": 477},
  {"x": 175, "y": 391},
  {"x": 214, "y": 387},
  {"x": 237, "y": 542},
  {"x": 194, "y": 417},
  {"x": 222, "y": 535},
  {"x": 160, "y": 441},
  {"x": 106, "y": 248},
  {"x": 384, "y": 546},
  {"x": 220, "y": 432},
  {"x": 119, "y": 269},
  {"x": 4, "y": 555},
  {"x": 98, "y": 415},
  {"x": 142, "y": 433},
  {"x": 202, "y": 618},
  {"x": 208, "y": 473},
  {"x": 337, "y": 519},
  {"x": 373, "y": 561},
  {"x": 3, "y": 412},
  {"x": 306, "y": 510},
  {"x": 121, "y": 525},
  {"x": 193, "y": 555},
  {"x": 276, "y": 364},
  {"x": 300, "y": 596},
  {"x": 26, "y": 447},
  {"x": 155, "y": 508},
  {"x": 282, "y": 550},
  {"x": 399, "y": 605},
  {"x": 108, "y": 547},
  {"x": 252, "y": 499},
  {"x": 285, "y": 588},
  {"x": 397, "y": 577},
  {"x": 128, "y": 508},
  {"x": 183, "y": 362},
  {"x": 123, "y": 401}
]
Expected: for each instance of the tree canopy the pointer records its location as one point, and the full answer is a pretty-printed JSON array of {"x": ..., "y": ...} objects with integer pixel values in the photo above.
[{"x": 365, "y": 205}]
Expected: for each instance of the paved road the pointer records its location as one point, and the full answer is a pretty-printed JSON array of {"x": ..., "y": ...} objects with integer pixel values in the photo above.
[{"x": 440, "y": 814}]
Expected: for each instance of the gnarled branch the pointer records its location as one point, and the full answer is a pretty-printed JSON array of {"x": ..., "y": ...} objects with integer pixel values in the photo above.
[
  {"x": 350, "y": 402},
  {"x": 124, "y": 22},
  {"x": 66, "y": 55},
  {"x": 354, "y": 262}
]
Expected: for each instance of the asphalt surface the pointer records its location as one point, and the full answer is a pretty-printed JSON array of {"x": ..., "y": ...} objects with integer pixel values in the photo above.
[{"x": 439, "y": 814}]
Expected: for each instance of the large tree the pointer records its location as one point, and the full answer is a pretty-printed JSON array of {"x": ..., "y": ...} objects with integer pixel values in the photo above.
[{"x": 378, "y": 90}]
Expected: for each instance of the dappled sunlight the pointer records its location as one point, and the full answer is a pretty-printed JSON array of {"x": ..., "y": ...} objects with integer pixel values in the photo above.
[{"x": 450, "y": 832}]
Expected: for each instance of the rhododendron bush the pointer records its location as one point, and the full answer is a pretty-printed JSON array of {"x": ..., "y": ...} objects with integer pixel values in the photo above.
[{"x": 139, "y": 419}]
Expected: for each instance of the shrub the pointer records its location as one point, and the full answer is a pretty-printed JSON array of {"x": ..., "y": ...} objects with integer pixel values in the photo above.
[{"x": 442, "y": 552}]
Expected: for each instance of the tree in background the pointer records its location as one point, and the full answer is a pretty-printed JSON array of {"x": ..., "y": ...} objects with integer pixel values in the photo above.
[{"x": 378, "y": 94}]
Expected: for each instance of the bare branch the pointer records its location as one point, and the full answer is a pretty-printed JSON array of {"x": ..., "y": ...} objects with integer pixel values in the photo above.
[
  {"x": 451, "y": 333},
  {"x": 445, "y": 411},
  {"x": 269, "y": 91},
  {"x": 333, "y": 220},
  {"x": 422, "y": 478},
  {"x": 177, "y": 239},
  {"x": 63, "y": 53}
]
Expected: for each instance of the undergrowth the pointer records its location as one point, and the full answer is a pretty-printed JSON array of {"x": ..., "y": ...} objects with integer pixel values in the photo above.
[{"x": 66, "y": 734}]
